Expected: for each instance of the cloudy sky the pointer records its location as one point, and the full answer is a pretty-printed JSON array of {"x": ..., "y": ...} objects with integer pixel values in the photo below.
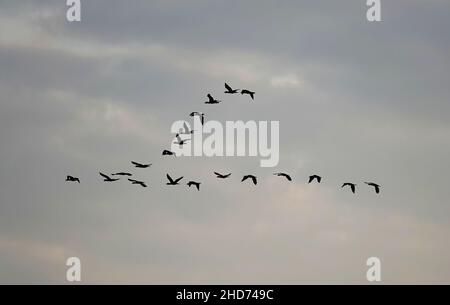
[{"x": 356, "y": 101}]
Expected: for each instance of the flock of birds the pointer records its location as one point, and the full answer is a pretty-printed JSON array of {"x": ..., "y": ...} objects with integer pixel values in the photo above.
[{"x": 180, "y": 141}]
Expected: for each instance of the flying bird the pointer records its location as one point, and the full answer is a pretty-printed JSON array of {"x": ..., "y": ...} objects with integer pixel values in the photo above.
[
  {"x": 139, "y": 165},
  {"x": 122, "y": 174},
  {"x": 251, "y": 93},
  {"x": 315, "y": 177},
  {"x": 221, "y": 176},
  {"x": 230, "y": 90},
  {"x": 351, "y": 185},
  {"x": 107, "y": 178},
  {"x": 72, "y": 179},
  {"x": 250, "y": 177},
  {"x": 193, "y": 183},
  {"x": 180, "y": 141},
  {"x": 171, "y": 181},
  {"x": 284, "y": 175},
  {"x": 186, "y": 129},
  {"x": 137, "y": 182},
  {"x": 212, "y": 100},
  {"x": 168, "y": 153},
  {"x": 200, "y": 115},
  {"x": 376, "y": 186}
]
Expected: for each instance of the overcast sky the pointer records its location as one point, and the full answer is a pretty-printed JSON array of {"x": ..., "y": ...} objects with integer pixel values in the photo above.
[{"x": 356, "y": 101}]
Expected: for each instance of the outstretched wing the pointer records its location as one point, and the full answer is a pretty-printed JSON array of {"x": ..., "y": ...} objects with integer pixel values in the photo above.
[
  {"x": 135, "y": 163},
  {"x": 228, "y": 87},
  {"x": 178, "y": 180},
  {"x": 105, "y": 176},
  {"x": 255, "y": 182},
  {"x": 186, "y": 128},
  {"x": 169, "y": 178}
]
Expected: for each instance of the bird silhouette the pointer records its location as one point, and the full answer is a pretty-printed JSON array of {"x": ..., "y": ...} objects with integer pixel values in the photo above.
[
  {"x": 137, "y": 182},
  {"x": 107, "y": 178},
  {"x": 212, "y": 100},
  {"x": 284, "y": 175},
  {"x": 351, "y": 185},
  {"x": 180, "y": 141},
  {"x": 315, "y": 177},
  {"x": 200, "y": 115},
  {"x": 376, "y": 186},
  {"x": 230, "y": 90},
  {"x": 251, "y": 93},
  {"x": 171, "y": 181},
  {"x": 168, "y": 153},
  {"x": 139, "y": 165},
  {"x": 186, "y": 129},
  {"x": 122, "y": 174},
  {"x": 221, "y": 176},
  {"x": 193, "y": 183},
  {"x": 254, "y": 179},
  {"x": 72, "y": 179}
]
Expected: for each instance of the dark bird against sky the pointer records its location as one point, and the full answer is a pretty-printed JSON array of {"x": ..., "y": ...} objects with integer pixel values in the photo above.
[
  {"x": 139, "y": 165},
  {"x": 168, "y": 153},
  {"x": 137, "y": 182},
  {"x": 193, "y": 183},
  {"x": 351, "y": 185},
  {"x": 171, "y": 181},
  {"x": 284, "y": 175},
  {"x": 72, "y": 179},
  {"x": 212, "y": 100},
  {"x": 107, "y": 178},
  {"x": 248, "y": 92},
  {"x": 221, "y": 176},
  {"x": 230, "y": 90},
  {"x": 254, "y": 179},
  {"x": 374, "y": 185},
  {"x": 315, "y": 177},
  {"x": 122, "y": 174}
]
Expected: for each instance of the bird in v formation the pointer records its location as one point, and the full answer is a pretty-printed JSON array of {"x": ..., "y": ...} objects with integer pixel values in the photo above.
[{"x": 187, "y": 131}]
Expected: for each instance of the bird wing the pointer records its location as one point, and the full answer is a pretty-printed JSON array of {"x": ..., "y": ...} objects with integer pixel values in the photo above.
[
  {"x": 169, "y": 178},
  {"x": 186, "y": 128},
  {"x": 353, "y": 188},
  {"x": 105, "y": 176},
  {"x": 228, "y": 87},
  {"x": 218, "y": 175},
  {"x": 254, "y": 180},
  {"x": 197, "y": 185},
  {"x": 178, "y": 180},
  {"x": 135, "y": 163},
  {"x": 289, "y": 178},
  {"x": 132, "y": 180}
]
